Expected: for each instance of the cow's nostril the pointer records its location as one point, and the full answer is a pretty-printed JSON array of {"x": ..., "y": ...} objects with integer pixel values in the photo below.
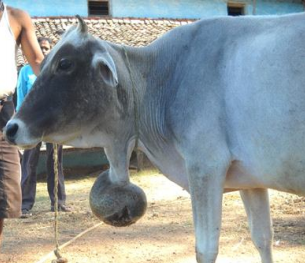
[{"x": 11, "y": 131}]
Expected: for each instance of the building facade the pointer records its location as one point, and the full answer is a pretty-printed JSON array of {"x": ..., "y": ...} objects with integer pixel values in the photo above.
[{"x": 174, "y": 9}]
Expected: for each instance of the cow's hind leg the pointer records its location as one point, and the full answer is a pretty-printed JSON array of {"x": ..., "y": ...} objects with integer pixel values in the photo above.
[{"x": 256, "y": 202}]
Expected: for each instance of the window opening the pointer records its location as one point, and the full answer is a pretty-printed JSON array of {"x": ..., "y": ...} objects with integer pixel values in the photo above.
[
  {"x": 98, "y": 8},
  {"x": 236, "y": 10}
]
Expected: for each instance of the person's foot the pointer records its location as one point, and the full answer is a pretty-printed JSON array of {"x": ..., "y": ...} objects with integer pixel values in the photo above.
[
  {"x": 26, "y": 213},
  {"x": 62, "y": 208}
]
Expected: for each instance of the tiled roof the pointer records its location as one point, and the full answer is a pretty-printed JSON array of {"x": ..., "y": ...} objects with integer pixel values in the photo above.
[{"x": 128, "y": 31}]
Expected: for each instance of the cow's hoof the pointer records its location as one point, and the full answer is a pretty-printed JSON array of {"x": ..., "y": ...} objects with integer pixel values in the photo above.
[{"x": 117, "y": 205}]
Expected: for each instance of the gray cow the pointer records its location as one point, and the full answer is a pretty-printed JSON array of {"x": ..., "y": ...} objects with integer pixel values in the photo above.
[{"x": 217, "y": 106}]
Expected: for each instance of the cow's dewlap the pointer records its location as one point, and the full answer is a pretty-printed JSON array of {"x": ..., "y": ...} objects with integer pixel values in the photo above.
[{"x": 117, "y": 205}]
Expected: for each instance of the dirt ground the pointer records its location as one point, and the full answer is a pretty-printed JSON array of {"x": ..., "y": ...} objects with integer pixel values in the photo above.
[{"x": 164, "y": 234}]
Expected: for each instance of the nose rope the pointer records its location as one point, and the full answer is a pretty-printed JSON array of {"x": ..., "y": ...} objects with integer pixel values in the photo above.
[
  {"x": 135, "y": 104},
  {"x": 59, "y": 259}
]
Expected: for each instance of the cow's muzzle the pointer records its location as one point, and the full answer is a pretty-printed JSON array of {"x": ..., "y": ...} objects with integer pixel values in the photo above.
[
  {"x": 16, "y": 132},
  {"x": 10, "y": 131}
]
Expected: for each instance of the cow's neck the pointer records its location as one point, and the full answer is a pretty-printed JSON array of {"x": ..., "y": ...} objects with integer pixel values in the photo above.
[
  {"x": 146, "y": 79},
  {"x": 144, "y": 73}
]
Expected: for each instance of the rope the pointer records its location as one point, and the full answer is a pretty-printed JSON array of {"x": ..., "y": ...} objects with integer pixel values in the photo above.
[
  {"x": 69, "y": 242},
  {"x": 59, "y": 259},
  {"x": 135, "y": 108}
]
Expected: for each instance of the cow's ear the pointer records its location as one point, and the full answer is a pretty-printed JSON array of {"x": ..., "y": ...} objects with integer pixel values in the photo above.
[{"x": 104, "y": 63}]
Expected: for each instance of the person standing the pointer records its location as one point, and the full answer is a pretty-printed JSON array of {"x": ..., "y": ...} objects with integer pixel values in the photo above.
[
  {"x": 16, "y": 29},
  {"x": 30, "y": 157}
]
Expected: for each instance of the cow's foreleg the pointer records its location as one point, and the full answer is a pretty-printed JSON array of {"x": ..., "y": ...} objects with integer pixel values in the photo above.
[
  {"x": 206, "y": 189},
  {"x": 256, "y": 202}
]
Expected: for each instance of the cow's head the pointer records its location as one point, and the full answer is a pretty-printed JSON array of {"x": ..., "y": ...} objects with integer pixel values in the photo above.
[
  {"x": 77, "y": 100},
  {"x": 74, "y": 95}
]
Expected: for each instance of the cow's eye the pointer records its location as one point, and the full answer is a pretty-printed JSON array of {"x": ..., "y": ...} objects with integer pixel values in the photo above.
[{"x": 64, "y": 64}]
